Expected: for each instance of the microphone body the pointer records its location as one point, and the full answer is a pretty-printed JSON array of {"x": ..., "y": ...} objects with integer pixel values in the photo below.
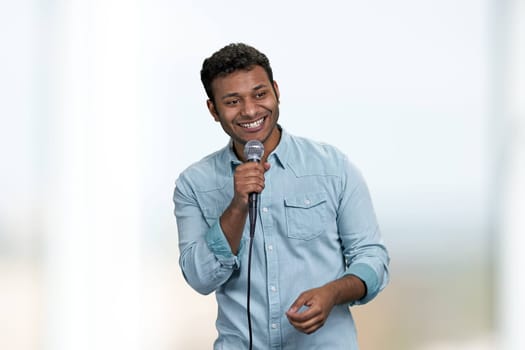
[{"x": 253, "y": 152}]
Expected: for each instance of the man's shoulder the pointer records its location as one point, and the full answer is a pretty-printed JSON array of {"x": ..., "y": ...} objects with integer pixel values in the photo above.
[
  {"x": 207, "y": 161},
  {"x": 309, "y": 156},
  {"x": 204, "y": 170},
  {"x": 319, "y": 147}
]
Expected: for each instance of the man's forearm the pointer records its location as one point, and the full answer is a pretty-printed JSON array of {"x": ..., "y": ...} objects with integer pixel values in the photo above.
[
  {"x": 232, "y": 224},
  {"x": 347, "y": 289}
]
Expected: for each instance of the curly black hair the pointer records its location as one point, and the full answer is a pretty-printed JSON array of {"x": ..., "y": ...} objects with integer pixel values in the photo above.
[{"x": 229, "y": 59}]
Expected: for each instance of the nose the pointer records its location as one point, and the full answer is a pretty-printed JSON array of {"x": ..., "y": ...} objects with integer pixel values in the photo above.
[{"x": 249, "y": 108}]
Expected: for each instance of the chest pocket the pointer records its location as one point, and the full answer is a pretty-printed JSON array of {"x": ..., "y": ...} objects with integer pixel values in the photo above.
[{"x": 306, "y": 215}]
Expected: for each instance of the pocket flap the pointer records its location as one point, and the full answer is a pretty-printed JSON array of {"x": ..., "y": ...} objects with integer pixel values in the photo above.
[{"x": 307, "y": 200}]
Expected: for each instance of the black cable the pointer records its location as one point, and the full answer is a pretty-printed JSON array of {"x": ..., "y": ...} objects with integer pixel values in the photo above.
[
  {"x": 248, "y": 293},
  {"x": 253, "y": 215}
]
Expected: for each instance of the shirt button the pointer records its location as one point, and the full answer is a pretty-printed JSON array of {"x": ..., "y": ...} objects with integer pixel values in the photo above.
[
  {"x": 265, "y": 209},
  {"x": 270, "y": 247},
  {"x": 274, "y": 325},
  {"x": 273, "y": 289},
  {"x": 306, "y": 201}
]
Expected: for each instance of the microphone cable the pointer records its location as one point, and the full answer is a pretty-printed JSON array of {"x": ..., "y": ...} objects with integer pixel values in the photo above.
[{"x": 248, "y": 290}]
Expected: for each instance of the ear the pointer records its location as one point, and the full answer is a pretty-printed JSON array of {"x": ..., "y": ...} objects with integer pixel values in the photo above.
[
  {"x": 276, "y": 89},
  {"x": 213, "y": 111}
]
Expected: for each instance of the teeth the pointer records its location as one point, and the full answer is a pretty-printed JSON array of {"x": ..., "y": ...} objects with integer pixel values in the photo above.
[{"x": 253, "y": 124}]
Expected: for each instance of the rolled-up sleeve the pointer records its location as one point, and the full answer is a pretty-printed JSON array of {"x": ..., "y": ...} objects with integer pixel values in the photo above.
[
  {"x": 206, "y": 259},
  {"x": 365, "y": 254}
]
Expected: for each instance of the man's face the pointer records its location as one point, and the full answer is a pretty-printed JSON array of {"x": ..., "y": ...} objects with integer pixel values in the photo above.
[{"x": 247, "y": 106}]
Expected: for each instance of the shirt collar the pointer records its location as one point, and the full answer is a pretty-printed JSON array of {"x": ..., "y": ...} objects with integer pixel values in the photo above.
[
  {"x": 281, "y": 151},
  {"x": 231, "y": 156}
]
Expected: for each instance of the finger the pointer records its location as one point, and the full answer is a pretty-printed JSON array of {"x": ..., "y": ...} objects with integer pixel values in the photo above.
[
  {"x": 249, "y": 175},
  {"x": 298, "y": 303},
  {"x": 252, "y": 165},
  {"x": 303, "y": 316},
  {"x": 313, "y": 328},
  {"x": 250, "y": 172},
  {"x": 310, "y": 325}
]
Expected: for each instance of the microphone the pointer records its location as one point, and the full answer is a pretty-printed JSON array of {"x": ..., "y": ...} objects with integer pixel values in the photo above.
[{"x": 253, "y": 152}]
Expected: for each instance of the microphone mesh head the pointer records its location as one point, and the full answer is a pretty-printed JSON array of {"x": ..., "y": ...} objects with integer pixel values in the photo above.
[{"x": 253, "y": 150}]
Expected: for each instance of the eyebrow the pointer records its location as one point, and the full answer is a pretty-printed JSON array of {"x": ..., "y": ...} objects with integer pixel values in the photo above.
[{"x": 235, "y": 94}]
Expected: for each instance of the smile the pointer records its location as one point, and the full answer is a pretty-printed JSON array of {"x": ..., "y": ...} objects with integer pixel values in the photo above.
[{"x": 252, "y": 125}]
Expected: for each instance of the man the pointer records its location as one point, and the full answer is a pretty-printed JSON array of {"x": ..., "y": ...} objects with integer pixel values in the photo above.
[{"x": 317, "y": 248}]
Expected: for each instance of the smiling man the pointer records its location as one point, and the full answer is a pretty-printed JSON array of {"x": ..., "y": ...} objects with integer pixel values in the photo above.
[{"x": 317, "y": 248}]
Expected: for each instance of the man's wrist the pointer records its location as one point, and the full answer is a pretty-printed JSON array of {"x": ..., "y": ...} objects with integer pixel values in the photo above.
[{"x": 347, "y": 289}]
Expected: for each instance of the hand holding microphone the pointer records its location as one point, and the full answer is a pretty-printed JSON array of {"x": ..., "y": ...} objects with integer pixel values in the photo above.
[
  {"x": 248, "y": 179},
  {"x": 249, "y": 176}
]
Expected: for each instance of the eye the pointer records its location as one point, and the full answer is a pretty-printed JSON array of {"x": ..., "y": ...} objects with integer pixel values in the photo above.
[
  {"x": 231, "y": 102},
  {"x": 260, "y": 94}
]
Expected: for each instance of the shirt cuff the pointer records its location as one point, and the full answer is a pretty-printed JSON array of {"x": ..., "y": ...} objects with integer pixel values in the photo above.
[
  {"x": 220, "y": 247},
  {"x": 366, "y": 274}
]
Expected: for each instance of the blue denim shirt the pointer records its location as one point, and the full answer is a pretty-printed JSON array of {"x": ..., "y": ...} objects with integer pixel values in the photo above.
[{"x": 315, "y": 224}]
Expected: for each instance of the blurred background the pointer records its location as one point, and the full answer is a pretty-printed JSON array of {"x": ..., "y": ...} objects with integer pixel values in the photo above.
[{"x": 102, "y": 107}]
